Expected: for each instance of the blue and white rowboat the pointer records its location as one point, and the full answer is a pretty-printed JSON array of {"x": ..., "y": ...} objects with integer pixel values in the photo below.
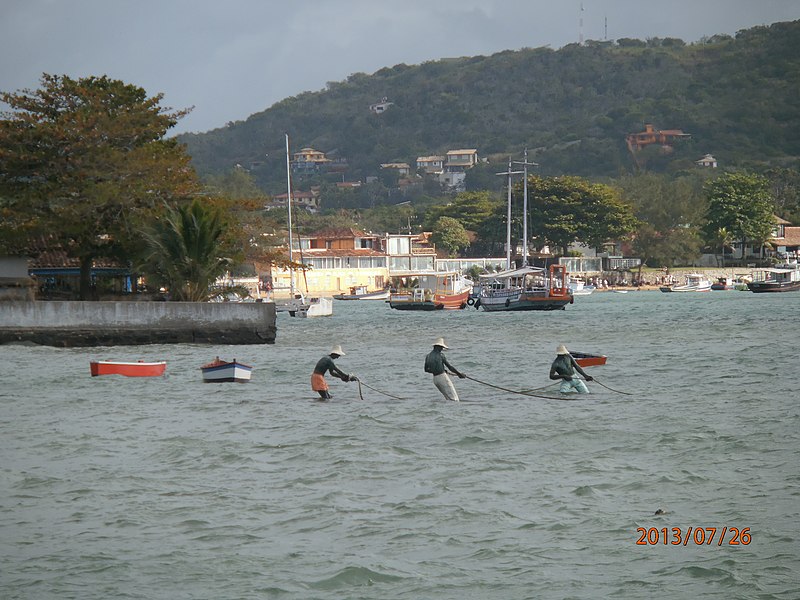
[{"x": 221, "y": 371}]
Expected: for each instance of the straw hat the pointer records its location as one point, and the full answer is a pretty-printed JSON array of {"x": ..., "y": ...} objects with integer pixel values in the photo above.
[
  {"x": 562, "y": 349},
  {"x": 337, "y": 349},
  {"x": 440, "y": 342}
]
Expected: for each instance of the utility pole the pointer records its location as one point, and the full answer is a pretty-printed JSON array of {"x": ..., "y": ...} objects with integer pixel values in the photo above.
[
  {"x": 525, "y": 164},
  {"x": 509, "y": 172}
]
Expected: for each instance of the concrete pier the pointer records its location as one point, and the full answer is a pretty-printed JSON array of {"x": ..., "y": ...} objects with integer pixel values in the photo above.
[{"x": 68, "y": 324}]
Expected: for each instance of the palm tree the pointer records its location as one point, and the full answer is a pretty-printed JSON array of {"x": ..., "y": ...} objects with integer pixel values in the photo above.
[
  {"x": 183, "y": 251},
  {"x": 723, "y": 239}
]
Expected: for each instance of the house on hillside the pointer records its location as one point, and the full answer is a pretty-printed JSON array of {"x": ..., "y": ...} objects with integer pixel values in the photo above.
[
  {"x": 311, "y": 162},
  {"x": 664, "y": 137},
  {"x": 459, "y": 161},
  {"x": 430, "y": 164},
  {"x": 308, "y": 200},
  {"x": 708, "y": 162},
  {"x": 380, "y": 107},
  {"x": 402, "y": 169}
]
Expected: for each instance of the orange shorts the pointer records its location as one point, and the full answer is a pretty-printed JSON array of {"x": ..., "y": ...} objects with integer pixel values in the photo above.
[{"x": 318, "y": 383}]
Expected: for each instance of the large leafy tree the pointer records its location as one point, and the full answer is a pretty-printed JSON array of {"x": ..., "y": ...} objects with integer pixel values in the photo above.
[
  {"x": 564, "y": 210},
  {"x": 670, "y": 211},
  {"x": 449, "y": 235},
  {"x": 742, "y": 204},
  {"x": 182, "y": 251},
  {"x": 85, "y": 162}
]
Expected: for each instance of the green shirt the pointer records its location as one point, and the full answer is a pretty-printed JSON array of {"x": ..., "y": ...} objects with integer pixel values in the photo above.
[
  {"x": 435, "y": 363},
  {"x": 326, "y": 364},
  {"x": 564, "y": 367}
]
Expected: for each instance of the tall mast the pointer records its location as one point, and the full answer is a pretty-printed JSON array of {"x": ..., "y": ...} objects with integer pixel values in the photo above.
[
  {"x": 289, "y": 204},
  {"x": 525, "y": 207},
  {"x": 509, "y": 172}
]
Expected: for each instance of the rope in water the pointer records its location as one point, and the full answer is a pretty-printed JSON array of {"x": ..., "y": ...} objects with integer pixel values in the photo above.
[
  {"x": 360, "y": 383},
  {"x": 528, "y": 392},
  {"x": 610, "y": 389},
  {"x": 497, "y": 387}
]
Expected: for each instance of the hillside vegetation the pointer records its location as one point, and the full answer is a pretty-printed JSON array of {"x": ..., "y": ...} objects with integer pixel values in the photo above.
[{"x": 572, "y": 107}]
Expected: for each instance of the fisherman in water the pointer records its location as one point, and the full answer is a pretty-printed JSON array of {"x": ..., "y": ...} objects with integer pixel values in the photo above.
[
  {"x": 326, "y": 364},
  {"x": 564, "y": 367},
  {"x": 435, "y": 363}
]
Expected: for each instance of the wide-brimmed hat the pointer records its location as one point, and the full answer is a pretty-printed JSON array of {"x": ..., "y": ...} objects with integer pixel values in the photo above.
[
  {"x": 440, "y": 342},
  {"x": 562, "y": 349},
  {"x": 337, "y": 349}
]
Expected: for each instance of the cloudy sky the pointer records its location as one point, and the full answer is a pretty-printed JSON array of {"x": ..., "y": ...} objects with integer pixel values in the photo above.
[{"x": 232, "y": 58}]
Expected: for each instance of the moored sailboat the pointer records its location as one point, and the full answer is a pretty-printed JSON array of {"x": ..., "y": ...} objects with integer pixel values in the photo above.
[{"x": 297, "y": 305}]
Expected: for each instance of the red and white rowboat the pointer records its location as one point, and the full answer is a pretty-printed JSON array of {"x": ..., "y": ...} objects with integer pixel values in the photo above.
[{"x": 128, "y": 369}]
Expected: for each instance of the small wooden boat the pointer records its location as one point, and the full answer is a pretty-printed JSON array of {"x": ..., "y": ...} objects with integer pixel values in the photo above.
[
  {"x": 722, "y": 283},
  {"x": 433, "y": 291},
  {"x": 128, "y": 369},
  {"x": 221, "y": 371},
  {"x": 584, "y": 359}
]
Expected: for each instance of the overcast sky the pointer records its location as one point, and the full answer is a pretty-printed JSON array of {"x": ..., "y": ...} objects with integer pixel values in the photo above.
[{"x": 232, "y": 58}]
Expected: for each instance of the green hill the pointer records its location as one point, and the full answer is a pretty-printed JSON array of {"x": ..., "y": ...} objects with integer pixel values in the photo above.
[{"x": 572, "y": 107}]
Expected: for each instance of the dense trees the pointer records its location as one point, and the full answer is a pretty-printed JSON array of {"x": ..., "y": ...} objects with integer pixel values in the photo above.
[
  {"x": 734, "y": 96},
  {"x": 85, "y": 163},
  {"x": 741, "y": 204},
  {"x": 571, "y": 209}
]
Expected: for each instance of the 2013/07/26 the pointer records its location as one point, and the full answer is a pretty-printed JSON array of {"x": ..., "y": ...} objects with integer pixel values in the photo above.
[{"x": 699, "y": 535}]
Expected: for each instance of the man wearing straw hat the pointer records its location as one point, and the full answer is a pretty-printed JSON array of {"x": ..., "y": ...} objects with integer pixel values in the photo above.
[
  {"x": 326, "y": 364},
  {"x": 564, "y": 367},
  {"x": 435, "y": 363}
]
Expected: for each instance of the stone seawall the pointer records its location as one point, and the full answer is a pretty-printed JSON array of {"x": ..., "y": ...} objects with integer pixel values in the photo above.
[{"x": 68, "y": 324}]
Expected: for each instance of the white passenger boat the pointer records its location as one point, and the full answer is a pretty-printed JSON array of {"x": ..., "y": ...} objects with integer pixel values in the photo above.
[{"x": 695, "y": 282}]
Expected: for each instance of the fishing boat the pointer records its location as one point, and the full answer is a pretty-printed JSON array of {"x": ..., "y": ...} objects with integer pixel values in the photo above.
[
  {"x": 781, "y": 278},
  {"x": 584, "y": 359},
  {"x": 578, "y": 287},
  {"x": 359, "y": 292},
  {"x": 528, "y": 288},
  {"x": 128, "y": 369},
  {"x": 222, "y": 371},
  {"x": 695, "y": 282},
  {"x": 448, "y": 290}
]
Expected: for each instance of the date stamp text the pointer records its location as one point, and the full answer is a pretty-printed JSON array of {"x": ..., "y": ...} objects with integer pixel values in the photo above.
[{"x": 697, "y": 536}]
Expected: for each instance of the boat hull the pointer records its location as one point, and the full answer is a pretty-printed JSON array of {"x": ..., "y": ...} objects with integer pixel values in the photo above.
[
  {"x": 382, "y": 295},
  {"x": 127, "y": 369},
  {"x": 438, "y": 302},
  {"x": 762, "y": 287},
  {"x": 226, "y": 372},
  {"x": 685, "y": 288},
  {"x": 524, "y": 301},
  {"x": 589, "y": 360}
]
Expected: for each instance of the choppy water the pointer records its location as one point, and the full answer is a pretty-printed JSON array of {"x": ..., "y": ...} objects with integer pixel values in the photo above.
[{"x": 168, "y": 488}]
